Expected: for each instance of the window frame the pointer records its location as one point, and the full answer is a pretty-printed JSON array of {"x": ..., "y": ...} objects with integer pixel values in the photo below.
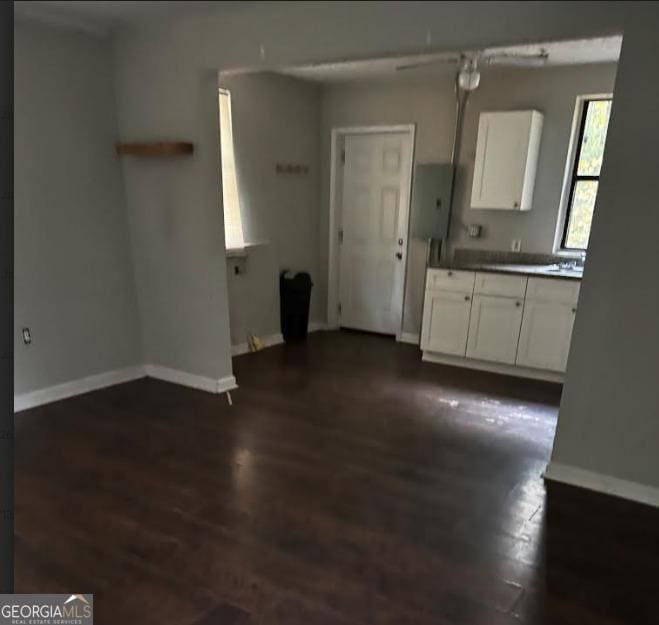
[
  {"x": 581, "y": 114},
  {"x": 238, "y": 250}
]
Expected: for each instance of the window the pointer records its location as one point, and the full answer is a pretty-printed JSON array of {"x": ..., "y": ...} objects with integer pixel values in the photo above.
[
  {"x": 233, "y": 227},
  {"x": 589, "y": 151}
]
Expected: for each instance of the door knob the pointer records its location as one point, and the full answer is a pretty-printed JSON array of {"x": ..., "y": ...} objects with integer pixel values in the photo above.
[{"x": 399, "y": 255}]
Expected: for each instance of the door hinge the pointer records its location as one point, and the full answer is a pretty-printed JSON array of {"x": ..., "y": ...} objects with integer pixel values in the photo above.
[
  {"x": 340, "y": 235},
  {"x": 343, "y": 157}
]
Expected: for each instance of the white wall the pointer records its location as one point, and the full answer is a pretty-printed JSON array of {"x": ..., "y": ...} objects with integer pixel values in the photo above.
[
  {"x": 609, "y": 418},
  {"x": 176, "y": 223},
  {"x": 73, "y": 283},
  {"x": 429, "y": 102},
  {"x": 163, "y": 89},
  {"x": 275, "y": 120},
  {"x": 552, "y": 91}
]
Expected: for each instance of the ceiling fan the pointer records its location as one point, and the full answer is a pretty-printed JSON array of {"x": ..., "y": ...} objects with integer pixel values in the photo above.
[{"x": 468, "y": 63}]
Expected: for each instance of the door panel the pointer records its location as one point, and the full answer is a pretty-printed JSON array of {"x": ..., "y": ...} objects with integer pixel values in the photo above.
[
  {"x": 375, "y": 209},
  {"x": 544, "y": 341},
  {"x": 389, "y": 209},
  {"x": 446, "y": 322},
  {"x": 494, "y": 328}
]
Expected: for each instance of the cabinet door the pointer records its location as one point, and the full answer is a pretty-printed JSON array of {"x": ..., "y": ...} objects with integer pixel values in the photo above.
[
  {"x": 544, "y": 341},
  {"x": 494, "y": 328},
  {"x": 506, "y": 158},
  {"x": 446, "y": 322}
]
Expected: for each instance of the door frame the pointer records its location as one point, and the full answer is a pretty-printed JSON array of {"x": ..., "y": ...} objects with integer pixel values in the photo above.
[{"x": 336, "y": 185}]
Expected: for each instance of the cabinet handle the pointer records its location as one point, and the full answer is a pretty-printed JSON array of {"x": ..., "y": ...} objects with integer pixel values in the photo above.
[
  {"x": 516, "y": 205},
  {"x": 518, "y": 304},
  {"x": 449, "y": 273},
  {"x": 467, "y": 298},
  {"x": 574, "y": 310}
]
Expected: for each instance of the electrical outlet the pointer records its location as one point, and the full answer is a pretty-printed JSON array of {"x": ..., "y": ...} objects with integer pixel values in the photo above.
[
  {"x": 27, "y": 337},
  {"x": 474, "y": 230},
  {"x": 516, "y": 245}
]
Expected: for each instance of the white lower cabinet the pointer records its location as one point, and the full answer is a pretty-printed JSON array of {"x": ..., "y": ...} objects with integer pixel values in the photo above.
[
  {"x": 446, "y": 322},
  {"x": 516, "y": 324},
  {"x": 544, "y": 342},
  {"x": 494, "y": 328}
]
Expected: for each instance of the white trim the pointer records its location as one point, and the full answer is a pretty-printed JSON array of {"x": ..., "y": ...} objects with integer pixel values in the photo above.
[
  {"x": 275, "y": 339},
  {"x": 338, "y": 134},
  {"x": 226, "y": 384},
  {"x": 493, "y": 367},
  {"x": 607, "y": 484},
  {"x": 409, "y": 337},
  {"x": 50, "y": 394},
  {"x": 191, "y": 380},
  {"x": 364, "y": 130}
]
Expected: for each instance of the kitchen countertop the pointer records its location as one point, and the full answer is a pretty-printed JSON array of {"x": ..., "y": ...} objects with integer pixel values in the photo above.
[{"x": 547, "y": 271}]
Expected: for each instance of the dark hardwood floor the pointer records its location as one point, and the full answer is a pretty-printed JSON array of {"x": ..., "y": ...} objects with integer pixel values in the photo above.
[{"x": 349, "y": 483}]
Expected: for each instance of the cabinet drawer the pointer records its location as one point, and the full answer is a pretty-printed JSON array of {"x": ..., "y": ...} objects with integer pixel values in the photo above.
[
  {"x": 553, "y": 290},
  {"x": 500, "y": 284},
  {"x": 450, "y": 280}
]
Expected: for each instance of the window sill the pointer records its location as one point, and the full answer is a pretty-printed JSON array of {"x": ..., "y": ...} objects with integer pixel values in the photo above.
[
  {"x": 569, "y": 253},
  {"x": 242, "y": 252},
  {"x": 236, "y": 252}
]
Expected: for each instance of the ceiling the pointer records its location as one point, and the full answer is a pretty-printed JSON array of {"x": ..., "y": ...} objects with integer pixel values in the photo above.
[
  {"x": 103, "y": 17},
  {"x": 576, "y": 52}
]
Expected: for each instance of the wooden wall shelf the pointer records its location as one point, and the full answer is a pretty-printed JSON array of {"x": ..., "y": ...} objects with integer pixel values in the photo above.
[{"x": 158, "y": 148}]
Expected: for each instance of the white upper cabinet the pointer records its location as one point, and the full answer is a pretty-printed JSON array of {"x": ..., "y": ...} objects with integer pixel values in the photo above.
[{"x": 506, "y": 159}]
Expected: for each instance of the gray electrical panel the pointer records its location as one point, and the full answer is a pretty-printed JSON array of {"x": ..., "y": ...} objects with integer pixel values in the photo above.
[{"x": 431, "y": 194}]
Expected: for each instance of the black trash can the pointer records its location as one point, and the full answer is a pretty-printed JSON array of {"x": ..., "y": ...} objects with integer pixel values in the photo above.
[{"x": 294, "y": 297}]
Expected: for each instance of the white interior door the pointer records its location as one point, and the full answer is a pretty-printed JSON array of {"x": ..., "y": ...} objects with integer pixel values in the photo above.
[{"x": 375, "y": 210}]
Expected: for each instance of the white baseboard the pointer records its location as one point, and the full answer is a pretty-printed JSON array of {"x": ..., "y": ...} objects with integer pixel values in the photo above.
[
  {"x": 634, "y": 491},
  {"x": 50, "y": 394},
  {"x": 408, "y": 337},
  {"x": 226, "y": 384},
  {"x": 184, "y": 378},
  {"x": 275, "y": 339},
  {"x": 492, "y": 367}
]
